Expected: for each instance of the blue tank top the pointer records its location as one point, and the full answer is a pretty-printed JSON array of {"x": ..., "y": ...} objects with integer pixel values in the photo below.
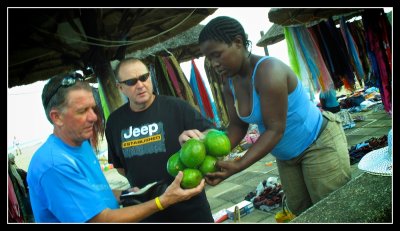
[{"x": 303, "y": 120}]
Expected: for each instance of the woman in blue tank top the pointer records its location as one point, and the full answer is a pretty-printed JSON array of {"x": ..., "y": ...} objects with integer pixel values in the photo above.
[{"x": 310, "y": 147}]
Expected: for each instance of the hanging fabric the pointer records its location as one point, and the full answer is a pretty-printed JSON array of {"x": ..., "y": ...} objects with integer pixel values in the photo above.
[
  {"x": 343, "y": 74},
  {"x": 20, "y": 209},
  {"x": 378, "y": 37},
  {"x": 204, "y": 97},
  {"x": 104, "y": 104},
  {"x": 325, "y": 78},
  {"x": 324, "y": 50},
  {"x": 214, "y": 113},
  {"x": 154, "y": 81},
  {"x": 172, "y": 81},
  {"x": 352, "y": 50},
  {"x": 173, "y": 78},
  {"x": 14, "y": 212},
  {"x": 216, "y": 86},
  {"x": 303, "y": 45},
  {"x": 320, "y": 77},
  {"x": 357, "y": 31},
  {"x": 196, "y": 91},
  {"x": 184, "y": 83},
  {"x": 298, "y": 64},
  {"x": 164, "y": 83}
]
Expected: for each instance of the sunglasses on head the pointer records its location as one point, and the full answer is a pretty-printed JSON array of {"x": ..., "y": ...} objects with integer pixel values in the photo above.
[
  {"x": 67, "y": 81},
  {"x": 132, "y": 82}
]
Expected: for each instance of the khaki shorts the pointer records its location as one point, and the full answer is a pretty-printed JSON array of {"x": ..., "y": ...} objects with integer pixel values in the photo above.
[{"x": 319, "y": 170}]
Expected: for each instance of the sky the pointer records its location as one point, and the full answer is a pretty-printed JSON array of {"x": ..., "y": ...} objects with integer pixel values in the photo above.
[
  {"x": 26, "y": 119},
  {"x": 253, "y": 20}
]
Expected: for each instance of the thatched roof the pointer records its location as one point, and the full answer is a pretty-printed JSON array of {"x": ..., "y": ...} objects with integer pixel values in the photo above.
[
  {"x": 45, "y": 42},
  {"x": 184, "y": 46},
  {"x": 294, "y": 17},
  {"x": 274, "y": 34},
  {"x": 300, "y": 16}
]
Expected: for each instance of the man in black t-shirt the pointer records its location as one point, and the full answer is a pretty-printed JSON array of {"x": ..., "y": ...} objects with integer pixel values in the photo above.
[{"x": 143, "y": 133}]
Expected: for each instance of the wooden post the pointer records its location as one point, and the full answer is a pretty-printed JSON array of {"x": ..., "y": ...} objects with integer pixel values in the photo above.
[
  {"x": 105, "y": 75},
  {"x": 265, "y": 48}
]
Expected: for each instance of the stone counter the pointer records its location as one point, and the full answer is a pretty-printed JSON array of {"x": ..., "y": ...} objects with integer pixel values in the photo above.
[{"x": 365, "y": 199}]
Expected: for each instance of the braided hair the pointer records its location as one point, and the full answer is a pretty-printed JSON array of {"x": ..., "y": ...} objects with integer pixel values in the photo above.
[{"x": 223, "y": 29}]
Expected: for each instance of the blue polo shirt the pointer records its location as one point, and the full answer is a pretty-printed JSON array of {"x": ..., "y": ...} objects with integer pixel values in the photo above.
[{"x": 66, "y": 183}]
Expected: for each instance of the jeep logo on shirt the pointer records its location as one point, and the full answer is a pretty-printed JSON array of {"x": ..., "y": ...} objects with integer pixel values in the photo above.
[
  {"x": 143, "y": 130},
  {"x": 143, "y": 140}
]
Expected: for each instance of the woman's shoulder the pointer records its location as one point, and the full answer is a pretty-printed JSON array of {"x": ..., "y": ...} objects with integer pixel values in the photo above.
[
  {"x": 268, "y": 65},
  {"x": 270, "y": 60}
]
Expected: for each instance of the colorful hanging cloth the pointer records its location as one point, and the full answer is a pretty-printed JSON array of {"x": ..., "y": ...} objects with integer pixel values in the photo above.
[
  {"x": 378, "y": 37},
  {"x": 184, "y": 83},
  {"x": 104, "y": 104},
  {"x": 196, "y": 92},
  {"x": 204, "y": 98},
  {"x": 154, "y": 81},
  {"x": 352, "y": 50},
  {"x": 172, "y": 76},
  {"x": 164, "y": 81},
  {"x": 216, "y": 85},
  {"x": 298, "y": 63}
]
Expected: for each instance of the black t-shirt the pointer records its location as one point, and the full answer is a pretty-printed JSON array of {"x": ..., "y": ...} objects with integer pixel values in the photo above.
[{"x": 142, "y": 142}]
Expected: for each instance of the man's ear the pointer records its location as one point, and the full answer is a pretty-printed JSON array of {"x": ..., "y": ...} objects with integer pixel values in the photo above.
[{"x": 56, "y": 117}]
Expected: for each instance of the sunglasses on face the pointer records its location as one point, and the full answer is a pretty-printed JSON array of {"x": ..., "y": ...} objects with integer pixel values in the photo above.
[
  {"x": 132, "y": 82},
  {"x": 67, "y": 81}
]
